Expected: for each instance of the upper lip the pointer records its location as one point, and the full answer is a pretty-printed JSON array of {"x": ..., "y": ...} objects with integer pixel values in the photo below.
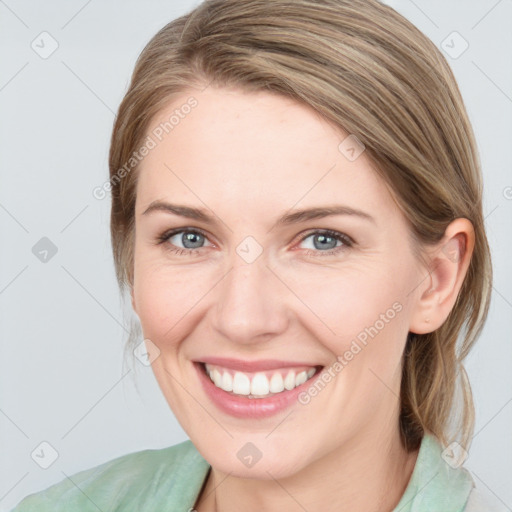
[{"x": 253, "y": 366}]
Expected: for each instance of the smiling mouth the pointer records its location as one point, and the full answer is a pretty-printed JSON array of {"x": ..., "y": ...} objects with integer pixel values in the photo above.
[{"x": 260, "y": 384}]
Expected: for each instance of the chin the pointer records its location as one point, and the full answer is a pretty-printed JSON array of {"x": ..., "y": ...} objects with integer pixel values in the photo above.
[{"x": 263, "y": 459}]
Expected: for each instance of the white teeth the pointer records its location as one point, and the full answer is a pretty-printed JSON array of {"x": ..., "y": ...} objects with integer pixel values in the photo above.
[
  {"x": 289, "y": 381},
  {"x": 260, "y": 386},
  {"x": 227, "y": 382},
  {"x": 217, "y": 378},
  {"x": 241, "y": 384},
  {"x": 301, "y": 378},
  {"x": 276, "y": 383}
]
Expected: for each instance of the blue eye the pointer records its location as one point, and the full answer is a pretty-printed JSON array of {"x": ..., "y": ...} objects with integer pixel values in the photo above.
[
  {"x": 191, "y": 240},
  {"x": 325, "y": 242}
]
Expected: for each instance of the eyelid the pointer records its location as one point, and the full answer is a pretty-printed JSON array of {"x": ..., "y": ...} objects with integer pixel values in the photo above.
[
  {"x": 330, "y": 232},
  {"x": 338, "y": 235},
  {"x": 164, "y": 237},
  {"x": 301, "y": 236}
]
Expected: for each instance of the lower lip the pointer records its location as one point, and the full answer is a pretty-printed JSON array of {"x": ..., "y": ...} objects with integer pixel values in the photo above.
[{"x": 244, "y": 407}]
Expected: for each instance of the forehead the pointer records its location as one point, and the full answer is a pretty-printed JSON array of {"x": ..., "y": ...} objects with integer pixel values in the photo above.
[{"x": 253, "y": 151}]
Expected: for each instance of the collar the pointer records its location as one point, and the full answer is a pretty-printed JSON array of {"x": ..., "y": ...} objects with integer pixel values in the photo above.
[{"x": 436, "y": 482}]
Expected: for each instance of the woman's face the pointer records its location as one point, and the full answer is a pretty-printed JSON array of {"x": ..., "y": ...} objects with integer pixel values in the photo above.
[{"x": 264, "y": 294}]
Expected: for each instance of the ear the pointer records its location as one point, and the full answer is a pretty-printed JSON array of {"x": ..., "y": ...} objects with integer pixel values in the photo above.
[{"x": 448, "y": 263}]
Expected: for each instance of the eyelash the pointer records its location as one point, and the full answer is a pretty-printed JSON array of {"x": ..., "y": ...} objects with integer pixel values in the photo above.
[{"x": 345, "y": 239}]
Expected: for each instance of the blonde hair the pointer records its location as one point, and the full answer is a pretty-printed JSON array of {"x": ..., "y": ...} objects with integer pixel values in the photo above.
[{"x": 368, "y": 70}]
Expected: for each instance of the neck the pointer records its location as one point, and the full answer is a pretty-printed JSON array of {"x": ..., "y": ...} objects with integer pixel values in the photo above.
[{"x": 370, "y": 473}]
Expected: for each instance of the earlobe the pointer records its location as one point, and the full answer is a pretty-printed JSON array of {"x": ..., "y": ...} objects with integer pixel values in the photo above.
[{"x": 449, "y": 262}]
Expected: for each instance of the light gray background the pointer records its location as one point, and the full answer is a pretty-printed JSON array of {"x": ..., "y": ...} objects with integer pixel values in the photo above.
[{"x": 62, "y": 378}]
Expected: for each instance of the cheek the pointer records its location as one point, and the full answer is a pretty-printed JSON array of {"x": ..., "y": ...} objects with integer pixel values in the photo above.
[
  {"x": 351, "y": 304},
  {"x": 166, "y": 300}
]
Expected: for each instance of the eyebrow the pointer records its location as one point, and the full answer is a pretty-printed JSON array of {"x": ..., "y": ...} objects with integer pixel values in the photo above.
[{"x": 285, "y": 220}]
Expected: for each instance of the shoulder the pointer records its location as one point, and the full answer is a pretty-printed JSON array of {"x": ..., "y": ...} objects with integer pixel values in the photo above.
[
  {"x": 136, "y": 481},
  {"x": 478, "y": 502}
]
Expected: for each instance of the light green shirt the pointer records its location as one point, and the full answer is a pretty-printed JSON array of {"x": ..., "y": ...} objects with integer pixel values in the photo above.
[{"x": 170, "y": 479}]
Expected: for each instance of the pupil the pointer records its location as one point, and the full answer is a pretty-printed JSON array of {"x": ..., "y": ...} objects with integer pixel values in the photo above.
[
  {"x": 193, "y": 238},
  {"x": 324, "y": 238}
]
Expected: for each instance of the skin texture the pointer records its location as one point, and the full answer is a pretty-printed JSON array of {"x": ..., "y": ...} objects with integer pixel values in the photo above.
[{"x": 248, "y": 158}]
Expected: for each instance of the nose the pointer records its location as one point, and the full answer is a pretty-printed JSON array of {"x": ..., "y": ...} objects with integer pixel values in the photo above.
[{"x": 251, "y": 303}]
